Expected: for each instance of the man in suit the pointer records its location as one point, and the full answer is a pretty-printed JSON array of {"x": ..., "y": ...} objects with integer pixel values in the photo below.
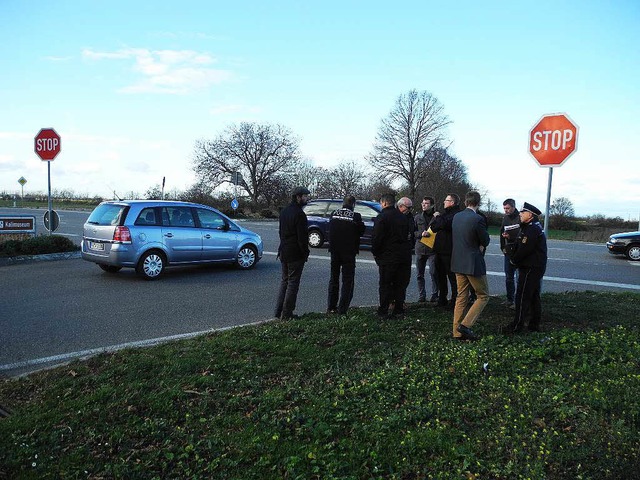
[
  {"x": 345, "y": 229},
  {"x": 470, "y": 239}
]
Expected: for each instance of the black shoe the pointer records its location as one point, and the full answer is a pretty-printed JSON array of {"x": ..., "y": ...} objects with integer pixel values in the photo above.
[
  {"x": 422, "y": 300},
  {"x": 382, "y": 313},
  {"x": 433, "y": 299},
  {"x": 399, "y": 314},
  {"x": 533, "y": 328},
  {"x": 293, "y": 316},
  {"x": 467, "y": 333},
  {"x": 331, "y": 311}
]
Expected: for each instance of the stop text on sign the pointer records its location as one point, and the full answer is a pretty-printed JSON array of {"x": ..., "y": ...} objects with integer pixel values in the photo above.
[
  {"x": 47, "y": 144},
  {"x": 554, "y": 139}
]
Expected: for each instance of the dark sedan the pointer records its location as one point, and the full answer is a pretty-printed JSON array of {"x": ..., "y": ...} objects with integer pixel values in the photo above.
[{"x": 627, "y": 244}]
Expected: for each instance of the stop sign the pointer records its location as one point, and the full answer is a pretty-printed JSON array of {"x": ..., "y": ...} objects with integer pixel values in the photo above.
[
  {"x": 47, "y": 144},
  {"x": 553, "y": 139}
]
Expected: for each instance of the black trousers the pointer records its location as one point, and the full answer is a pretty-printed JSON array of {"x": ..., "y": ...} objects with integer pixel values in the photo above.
[
  {"x": 345, "y": 262},
  {"x": 528, "y": 306},
  {"x": 289, "y": 285},
  {"x": 394, "y": 280},
  {"x": 443, "y": 267}
]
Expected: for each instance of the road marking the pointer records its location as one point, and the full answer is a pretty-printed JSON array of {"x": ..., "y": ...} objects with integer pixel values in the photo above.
[
  {"x": 629, "y": 286},
  {"x": 65, "y": 357}
]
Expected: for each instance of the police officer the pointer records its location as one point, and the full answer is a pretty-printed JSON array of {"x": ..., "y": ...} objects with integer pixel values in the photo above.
[
  {"x": 345, "y": 229},
  {"x": 530, "y": 257}
]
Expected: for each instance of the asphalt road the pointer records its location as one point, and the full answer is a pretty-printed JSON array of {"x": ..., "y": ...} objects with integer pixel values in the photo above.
[{"x": 53, "y": 311}]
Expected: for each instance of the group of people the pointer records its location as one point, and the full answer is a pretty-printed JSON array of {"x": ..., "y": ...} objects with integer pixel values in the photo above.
[{"x": 451, "y": 243}]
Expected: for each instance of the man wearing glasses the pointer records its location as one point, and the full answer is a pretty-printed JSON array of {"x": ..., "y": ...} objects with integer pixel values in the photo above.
[{"x": 442, "y": 225}]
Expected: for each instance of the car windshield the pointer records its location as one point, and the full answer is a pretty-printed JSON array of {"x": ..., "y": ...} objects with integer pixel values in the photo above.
[{"x": 107, "y": 214}]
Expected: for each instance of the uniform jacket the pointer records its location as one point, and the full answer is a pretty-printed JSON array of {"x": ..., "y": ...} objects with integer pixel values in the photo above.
[
  {"x": 391, "y": 237},
  {"x": 531, "y": 247},
  {"x": 294, "y": 236},
  {"x": 469, "y": 234},
  {"x": 345, "y": 229},
  {"x": 442, "y": 226},
  {"x": 422, "y": 221},
  {"x": 508, "y": 220}
]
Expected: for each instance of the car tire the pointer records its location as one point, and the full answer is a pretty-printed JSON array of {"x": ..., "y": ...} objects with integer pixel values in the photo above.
[
  {"x": 315, "y": 238},
  {"x": 247, "y": 257},
  {"x": 109, "y": 268},
  {"x": 633, "y": 253},
  {"x": 151, "y": 265}
]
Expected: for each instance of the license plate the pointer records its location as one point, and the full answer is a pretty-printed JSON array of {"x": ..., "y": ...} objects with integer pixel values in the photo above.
[{"x": 96, "y": 246}]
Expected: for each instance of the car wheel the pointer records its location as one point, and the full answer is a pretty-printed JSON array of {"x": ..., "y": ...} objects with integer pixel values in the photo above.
[
  {"x": 247, "y": 257},
  {"x": 315, "y": 239},
  {"x": 151, "y": 265},
  {"x": 633, "y": 253},
  {"x": 109, "y": 268}
]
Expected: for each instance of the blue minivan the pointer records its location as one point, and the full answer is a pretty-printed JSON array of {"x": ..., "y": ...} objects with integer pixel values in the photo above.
[{"x": 319, "y": 212}]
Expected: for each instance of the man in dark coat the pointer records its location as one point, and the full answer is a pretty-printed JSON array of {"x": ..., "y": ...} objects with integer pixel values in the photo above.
[
  {"x": 530, "y": 257},
  {"x": 345, "y": 229},
  {"x": 293, "y": 252},
  {"x": 391, "y": 247},
  {"x": 441, "y": 225},
  {"x": 424, "y": 254},
  {"x": 470, "y": 239},
  {"x": 509, "y": 231}
]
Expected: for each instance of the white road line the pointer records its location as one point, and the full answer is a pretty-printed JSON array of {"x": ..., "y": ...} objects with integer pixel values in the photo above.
[
  {"x": 629, "y": 286},
  {"x": 65, "y": 357}
]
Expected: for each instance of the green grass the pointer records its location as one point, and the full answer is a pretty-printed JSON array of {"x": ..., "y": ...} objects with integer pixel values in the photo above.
[{"x": 347, "y": 397}]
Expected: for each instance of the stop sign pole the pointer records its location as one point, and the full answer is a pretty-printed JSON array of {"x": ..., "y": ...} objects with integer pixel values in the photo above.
[
  {"x": 552, "y": 140},
  {"x": 47, "y": 147}
]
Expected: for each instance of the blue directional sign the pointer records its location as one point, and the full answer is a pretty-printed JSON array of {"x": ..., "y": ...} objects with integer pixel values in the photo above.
[{"x": 234, "y": 204}]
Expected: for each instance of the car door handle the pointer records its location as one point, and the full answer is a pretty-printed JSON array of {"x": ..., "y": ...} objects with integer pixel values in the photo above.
[
  {"x": 207, "y": 236},
  {"x": 168, "y": 235}
]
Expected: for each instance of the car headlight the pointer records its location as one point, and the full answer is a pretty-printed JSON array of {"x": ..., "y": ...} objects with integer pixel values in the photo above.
[{"x": 613, "y": 240}]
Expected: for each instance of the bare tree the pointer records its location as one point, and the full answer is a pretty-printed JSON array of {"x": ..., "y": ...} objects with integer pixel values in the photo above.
[
  {"x": 414, "y": 127},
  {"x": 260, "y": 152},
  {"x": 348, "y": 178},
  {"x": 561, "y": 207},
  {"x": 442, "y": 173}
]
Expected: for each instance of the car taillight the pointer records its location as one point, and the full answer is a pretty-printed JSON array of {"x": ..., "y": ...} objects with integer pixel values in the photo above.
[{"x": 122, "y": 234}]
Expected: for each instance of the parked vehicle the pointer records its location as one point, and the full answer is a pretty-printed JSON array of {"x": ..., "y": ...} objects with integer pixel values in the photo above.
[
  {"x": 149, "y": 235},
  {"x": 627, "y": 244},
  {"x": 319, "y": 212}
]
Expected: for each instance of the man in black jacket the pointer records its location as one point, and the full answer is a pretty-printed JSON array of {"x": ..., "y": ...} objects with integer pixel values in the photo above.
[
  {"x": 391, "y": 247},
  {"x": 508, "y": 233},
  {"x": 424, "y": 255},
  {"x": 530, "y": 257},
  {"x": 293, "y": 252},
  {"x": 442, "y": 225},
  {"x": 345, "y": 229}
]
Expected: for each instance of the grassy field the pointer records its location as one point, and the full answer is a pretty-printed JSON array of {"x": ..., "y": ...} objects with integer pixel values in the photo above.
[{"x": 347, "y": 397}]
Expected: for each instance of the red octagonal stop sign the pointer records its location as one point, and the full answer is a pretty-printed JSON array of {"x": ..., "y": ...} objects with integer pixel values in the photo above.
[
  {"x": 553, "y": 140},
  {"x": 47, "y": 144}
]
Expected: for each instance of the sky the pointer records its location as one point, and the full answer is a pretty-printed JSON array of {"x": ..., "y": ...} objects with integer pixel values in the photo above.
[{"x": 131, "y": 86}]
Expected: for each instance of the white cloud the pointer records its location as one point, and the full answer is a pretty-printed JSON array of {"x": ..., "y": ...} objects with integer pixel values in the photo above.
[{"x": 166, "y": 71}]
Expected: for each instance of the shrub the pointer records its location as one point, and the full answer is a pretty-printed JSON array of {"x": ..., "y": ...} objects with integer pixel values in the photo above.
[{"x": 37, "y": 246}]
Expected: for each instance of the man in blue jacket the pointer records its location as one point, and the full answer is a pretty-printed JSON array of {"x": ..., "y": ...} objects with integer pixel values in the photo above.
[
  {"x": 530, "y": 257},
  {"x": 293, "y": 252},
  {"x": 470, "y": 239}
]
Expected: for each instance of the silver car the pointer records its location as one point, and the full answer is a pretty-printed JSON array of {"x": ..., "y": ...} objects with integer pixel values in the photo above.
[{"x": 149, "y": 235}]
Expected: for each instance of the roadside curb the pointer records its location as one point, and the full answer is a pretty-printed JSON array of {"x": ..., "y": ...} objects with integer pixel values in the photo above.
[{"x": 22, "y": 259}]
